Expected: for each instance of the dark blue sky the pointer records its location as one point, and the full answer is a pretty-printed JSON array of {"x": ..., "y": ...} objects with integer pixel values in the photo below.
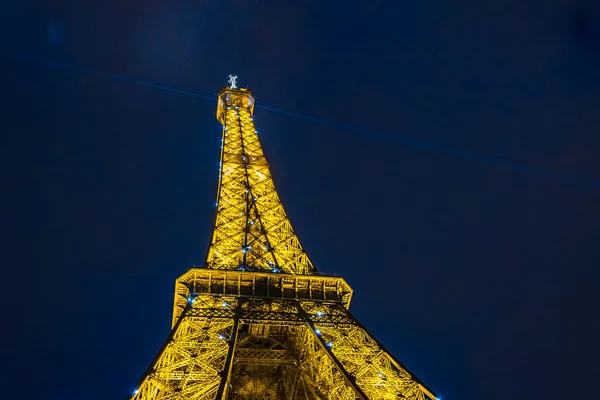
[{"x": 479, "y": 275}]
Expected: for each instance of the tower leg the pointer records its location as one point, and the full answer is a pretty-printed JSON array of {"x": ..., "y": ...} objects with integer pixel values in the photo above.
[
  {"x": 373, "y": 369},
  {"x": 191, "y": 363}
]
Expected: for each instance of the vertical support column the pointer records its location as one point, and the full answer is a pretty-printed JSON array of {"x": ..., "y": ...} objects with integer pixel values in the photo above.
[{"x": 226, "y": 373}]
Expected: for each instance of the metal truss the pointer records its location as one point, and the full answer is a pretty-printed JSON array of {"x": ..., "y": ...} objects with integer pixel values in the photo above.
[
  {"x": 264, "y": 285},
  {"x": 252, "y": 230},
  {"x": 247, "y": 348},
  {"x": 258, "y": 321}
]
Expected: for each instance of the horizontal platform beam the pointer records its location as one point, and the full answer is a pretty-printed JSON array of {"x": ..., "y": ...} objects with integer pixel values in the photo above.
[
  {"x": 259, "y": 285},
  {"x": 256, "y": 315}
]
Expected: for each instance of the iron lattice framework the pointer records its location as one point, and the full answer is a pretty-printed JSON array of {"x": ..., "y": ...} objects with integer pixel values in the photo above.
[{"x": 258, "y": 321}]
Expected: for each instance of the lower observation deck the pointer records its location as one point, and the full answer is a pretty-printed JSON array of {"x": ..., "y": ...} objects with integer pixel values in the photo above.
[{"x": 259, "y": 285}]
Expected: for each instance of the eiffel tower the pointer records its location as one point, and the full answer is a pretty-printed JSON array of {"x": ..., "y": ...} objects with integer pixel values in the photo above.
[{"x": 257, "y": 321}]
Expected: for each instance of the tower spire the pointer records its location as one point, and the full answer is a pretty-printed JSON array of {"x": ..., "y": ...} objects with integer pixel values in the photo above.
[
  {"x": 232, "y": 81},
  {"x": 252, "y": 231}
]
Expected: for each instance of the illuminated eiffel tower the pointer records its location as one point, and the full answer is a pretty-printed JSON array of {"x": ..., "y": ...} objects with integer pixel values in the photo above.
[{"x": 257, "y": 320}]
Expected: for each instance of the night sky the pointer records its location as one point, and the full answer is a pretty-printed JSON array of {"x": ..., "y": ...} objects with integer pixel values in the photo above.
[{"x": 451, "y": 177}]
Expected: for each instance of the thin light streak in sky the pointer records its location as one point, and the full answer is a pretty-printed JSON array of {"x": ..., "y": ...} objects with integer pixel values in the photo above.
[{"x": 555, "y": 176}]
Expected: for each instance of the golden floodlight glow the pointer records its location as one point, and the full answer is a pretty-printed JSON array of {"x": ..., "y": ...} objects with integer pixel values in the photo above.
[{"x": 257, "y": 320}]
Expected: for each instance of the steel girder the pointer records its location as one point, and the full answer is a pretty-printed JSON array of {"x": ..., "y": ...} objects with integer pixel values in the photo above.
[
  {"x": 241, "y": 348},
  {"x": 257, "y": 320}
]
